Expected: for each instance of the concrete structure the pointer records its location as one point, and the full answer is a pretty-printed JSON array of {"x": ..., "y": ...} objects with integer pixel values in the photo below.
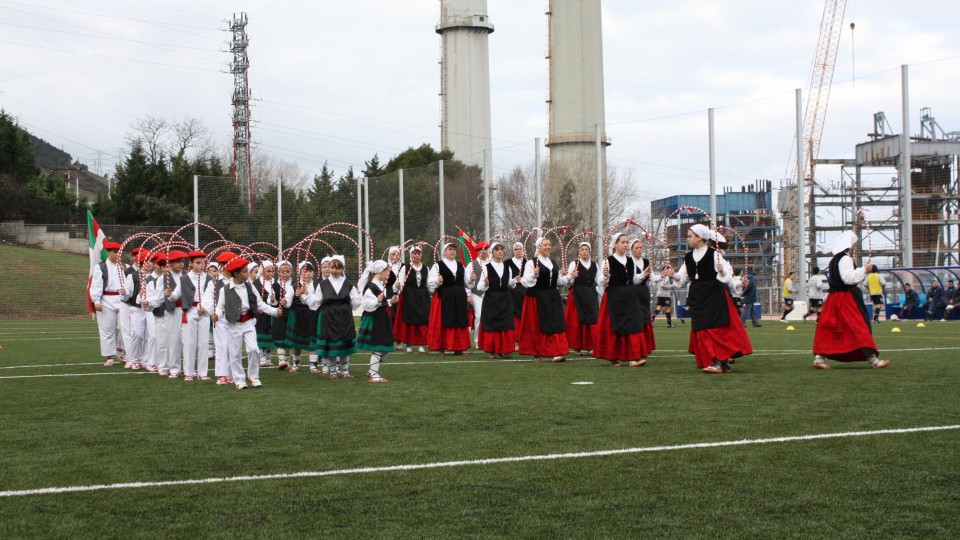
[
  {"x": 576, "y": 102},
  {"x": 465, "y": 80}
]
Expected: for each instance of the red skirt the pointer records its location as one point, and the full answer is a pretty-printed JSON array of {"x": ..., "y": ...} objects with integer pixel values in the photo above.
[
  {"x": 723, "y": 343},
  {"x": 842, "y": 333},
  {"x": 532, "y": 340},
  {"x": 408, "y": 333},
  {"x": 611, "y": 346},
  {"x": 651, "y": 340},
  {"x": 497, "y": 342},
  {"x": 580, "y": 337},
  {"x": 441, "y": 338},
  {"x": 516, "y": 329}
]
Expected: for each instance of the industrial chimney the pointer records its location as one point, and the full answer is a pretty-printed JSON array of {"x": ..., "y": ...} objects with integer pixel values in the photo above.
[
  {"x": 465, "y": 80},
  {"x": 575, "y": 103}
]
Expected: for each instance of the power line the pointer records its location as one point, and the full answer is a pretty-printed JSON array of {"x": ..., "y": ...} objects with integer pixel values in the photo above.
[
  {"x": 64, "y": 32},
  {"x": 109, "y": 57},
  {"x": 114, "y": 16}
]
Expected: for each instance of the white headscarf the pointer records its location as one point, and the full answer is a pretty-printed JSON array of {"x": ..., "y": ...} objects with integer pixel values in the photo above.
[
  {"x": 304, "y": 263},
  {"x": 703, "y": 231},
  {"x": 375, "y": 267},
  {"x": 340, "y": 258},
  {"x": 252, "y": 265},
  {"x": 443, "y": 250},
  {"x": 495, "y": 244},
  {"x": 326, "y": 259},
  {"x": 267, "y": 264},
  {"x": 613, "y": 240},
  {"x": 846, "y": 240},
  {"x": 518, "y": 245}
]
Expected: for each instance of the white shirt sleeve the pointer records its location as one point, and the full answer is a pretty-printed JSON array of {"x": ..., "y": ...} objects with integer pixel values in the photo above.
[
  {"x": 221, "y": 303},
  {"x": 96, "y": 285},
  {"x": 354, "y": 298},
  {"x": 848, "y": 273},
  {"x": 127, "y": 287},
  {"x": 314, "y": 299},
  {"x": 528, "y": 280},
  {"x": 681, "y": 278},
  {"x": 263, "y": 307},
  {"x": 433, "y": 277},
  {"x": 401, "y": 279},
  {"x": 369, "y": 302},
  {"x": 206, "y": 301}
]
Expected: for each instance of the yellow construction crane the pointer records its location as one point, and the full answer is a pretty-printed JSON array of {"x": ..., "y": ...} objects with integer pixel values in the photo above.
[{"x": 818, "y": 89}]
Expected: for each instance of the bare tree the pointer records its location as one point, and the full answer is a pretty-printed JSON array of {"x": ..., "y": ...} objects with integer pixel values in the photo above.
[
  {"x": 191, "y": 133},
  {"x": 150, "y": 133},
  {"x": 266, "y": 168}
]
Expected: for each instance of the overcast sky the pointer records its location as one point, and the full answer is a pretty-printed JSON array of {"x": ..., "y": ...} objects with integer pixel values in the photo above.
[{"x": 340, "y": 81}]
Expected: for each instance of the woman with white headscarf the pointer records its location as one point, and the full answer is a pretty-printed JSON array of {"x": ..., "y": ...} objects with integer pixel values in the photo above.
[
  {"x": 717, "y": 335},
  {"x": 543, "y": 330},
  {"x": 449, "y": 325},
  {"x": 495, "y": 333},
  {"x": 643, "y": 292},
  {"x": 620, "y": 337},
  {"x": 412, "y": 312},
  {"x": 583, "y": 303},
  {"x": 519, "y": 292},
  {"x": 396, "y": 265},
  {"x": 843, "y": 329}
]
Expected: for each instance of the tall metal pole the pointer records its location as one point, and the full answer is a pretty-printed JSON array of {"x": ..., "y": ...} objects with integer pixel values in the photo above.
[
  {"x": 487, "y": 173},
  {"x": 366, "y": 213},
  {"x": 279, "y": 214},
  {"x": 906, "y": 182},
  {"x": 443, "y": 224},
  {"x": 801, "y": 202},
  {"x": 713, "y": 169},
  {"x": 196, "y": 210},
  {"x": 402, "y": 236},
  {"x": 536, "y": 179},
  {"x": 359, "y": 211},
  {"x": 599, "y": 152}
]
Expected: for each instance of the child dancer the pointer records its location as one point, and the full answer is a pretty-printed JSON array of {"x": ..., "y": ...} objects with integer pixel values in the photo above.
[
  {"x": 376, "y": 329},
  {"x": 583, "y": 303},
  {"x": 413, "y": 308},
  {"x": 106, "y": 287},
  {"x": 717, "y": 334},
  {"x": 237, "y": 310},
  {"x": 283, "y": 291},
  {"x": 843, "y": 330},
  {"x": 137, "y": 333},
  {"x": 620, "y": 335},
  {"x": 336, "y": 340},
  {"x": 264, "y": 287},
  {"x": 196, "y": 320},
  {"x": 212, "y": 295},
  {"x": 302, "y": 319},
  {"x": 159, "y": 261}
]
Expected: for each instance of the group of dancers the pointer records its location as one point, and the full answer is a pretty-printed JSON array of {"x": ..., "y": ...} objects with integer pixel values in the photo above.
[{"x": 501, "y": 302}]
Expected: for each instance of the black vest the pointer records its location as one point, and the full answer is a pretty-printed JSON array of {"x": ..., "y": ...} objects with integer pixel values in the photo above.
[
  {"x": 132, "y": 301},
  {"x": 585, "y": 277},
  {"x": 232, "y": 303}
]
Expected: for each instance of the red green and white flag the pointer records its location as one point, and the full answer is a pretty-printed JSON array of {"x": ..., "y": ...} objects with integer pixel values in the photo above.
[
  {"x": 467, "y": 247},
  {"x": 97, "y": 253}
]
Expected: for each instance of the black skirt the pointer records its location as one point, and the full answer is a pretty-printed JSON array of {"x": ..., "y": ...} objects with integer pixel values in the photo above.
[
  {"x": 623, "y": 306},
  {"x": 587, "y": 304},
  {"x": 453, "y": 305},
  {"x": 707, "y": 303},
  {"x": 497, "y": 312},
  {"x": 550, "y": 310},
  {"x": 416, "y": 306}
]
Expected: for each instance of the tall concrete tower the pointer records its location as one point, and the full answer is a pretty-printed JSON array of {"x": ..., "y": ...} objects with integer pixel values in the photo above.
[
  {"x": 575, "y": 103},
  {"x": 465, "y": 80}
]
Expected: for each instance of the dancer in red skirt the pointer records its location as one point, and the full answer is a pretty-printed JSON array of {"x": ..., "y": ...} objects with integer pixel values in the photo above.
[
  {"x": 843, "y": 329},
  {"x": 643, "y": 293},
  {"x": 620, "y": 322},
  {"x": 413, "y": 310},
  {"x": 519, "y": 292},
  {"x": 496, "y": 317},
  {"x": 717, "y": 335},
  {"x": 543, "y": 332},
  {"x": 583, "y": 302},
  {"x": 449, "y": 325}
]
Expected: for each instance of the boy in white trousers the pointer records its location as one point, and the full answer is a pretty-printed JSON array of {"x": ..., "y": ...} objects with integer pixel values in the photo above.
[
  {"x": 196, "y": 320},
  {"x": 237, "y": 310},
  {"x": 105, "y": 290}
]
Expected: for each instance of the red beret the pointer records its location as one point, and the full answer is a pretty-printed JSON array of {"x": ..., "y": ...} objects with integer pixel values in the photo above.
[
  {"x": 136, "y": 250},
  {"x": 225, "y": 256},
  {"x": 482, "y": 245},
  {"x": 159, "y": 257},
  {"x": 110, "y": 246},
  {"x": 142, "y": 256},
  {"x": 195, "y": 254},
  {"x": 236, "y": 264},
  {"x": 176, "y": 254}
]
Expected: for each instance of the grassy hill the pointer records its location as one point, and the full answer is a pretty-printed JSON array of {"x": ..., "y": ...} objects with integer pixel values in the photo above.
[{"x": 53, "y": 159}]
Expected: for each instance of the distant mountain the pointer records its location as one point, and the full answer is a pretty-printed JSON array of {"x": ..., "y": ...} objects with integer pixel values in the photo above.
[{"x": 52, "y": 159}]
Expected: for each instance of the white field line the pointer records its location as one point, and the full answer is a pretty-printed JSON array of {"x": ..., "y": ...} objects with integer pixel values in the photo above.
[
  {"x": 78, "y": 375},
  {"x": 47, "y": 338},
  {"x": 470, "y": 462},
  {"x": 429, "y": 362}
]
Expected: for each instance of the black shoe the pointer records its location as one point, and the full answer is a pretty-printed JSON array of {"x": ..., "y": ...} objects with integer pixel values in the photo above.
[
  {"x": 671, "y": 326},
  {"x": 757, "y": 325}
]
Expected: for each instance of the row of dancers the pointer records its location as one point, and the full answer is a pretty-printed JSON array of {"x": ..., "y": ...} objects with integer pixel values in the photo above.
[{"x": 514, "y": 303}]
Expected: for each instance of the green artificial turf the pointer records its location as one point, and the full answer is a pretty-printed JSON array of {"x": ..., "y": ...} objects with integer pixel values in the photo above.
[{"x": 120, "y": 427}]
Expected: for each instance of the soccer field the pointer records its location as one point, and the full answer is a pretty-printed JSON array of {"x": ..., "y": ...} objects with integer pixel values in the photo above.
[{"x": 474, "y": 447}]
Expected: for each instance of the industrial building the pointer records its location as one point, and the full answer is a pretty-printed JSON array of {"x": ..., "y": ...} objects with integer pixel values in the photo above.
[{"x": 749, "y": 212}]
